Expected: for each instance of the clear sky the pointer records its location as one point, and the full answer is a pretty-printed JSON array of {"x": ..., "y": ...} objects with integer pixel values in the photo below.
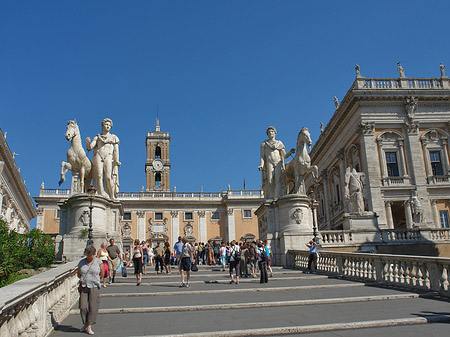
[{"x": 221, "y": 72}]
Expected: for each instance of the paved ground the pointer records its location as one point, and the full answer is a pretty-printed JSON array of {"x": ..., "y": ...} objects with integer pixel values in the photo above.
[{"x": 292, "y": 302}]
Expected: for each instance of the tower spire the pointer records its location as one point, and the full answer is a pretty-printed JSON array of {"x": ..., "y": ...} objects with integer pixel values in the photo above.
[{"x": 157, "y": 117}]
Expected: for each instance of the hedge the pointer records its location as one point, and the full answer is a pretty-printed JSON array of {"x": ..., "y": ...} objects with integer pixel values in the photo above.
[{"x": 23, "y": 251}]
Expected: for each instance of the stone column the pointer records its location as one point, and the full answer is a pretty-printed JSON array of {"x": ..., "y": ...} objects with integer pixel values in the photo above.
[
  {"x": 417, "y": 169},
  {"x": 446, "y": 161},
  {"x": 402, "y": 159},
  {"x": 383, "y": 162},
  {"x": 327, "y": 198},
  {"x": 1, "y": 200},
  {"x": 175, "y": 226},
  {"x": 389, "y": 219},
  {"x": 202, "y": 230},
  {"x": 371, "y": 166},
  {"x": 342, "y": 168},
  {"x": 140, "y": 225},
  {"x": 408, "y": 214},
  {"x": 40, "y": 218},
  {"x": 435, "y": 213},
  {"x": 231, "y": 229}
]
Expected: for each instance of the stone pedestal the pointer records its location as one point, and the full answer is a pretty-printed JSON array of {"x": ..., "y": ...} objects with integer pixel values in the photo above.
[
  {"x": 286, "y": 223},
  {"x": 74, "y": 224},
  {"x": 365, "y": 221}
]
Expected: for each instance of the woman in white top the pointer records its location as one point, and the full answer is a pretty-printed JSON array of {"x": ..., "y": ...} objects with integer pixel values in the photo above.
[
  {"x": 90, "y": 270},
  {"x": 103, "y": 255},
  {"x": 138, "y": 259}
]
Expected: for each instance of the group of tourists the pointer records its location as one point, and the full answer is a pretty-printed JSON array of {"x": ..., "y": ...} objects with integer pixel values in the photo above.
[{"x": 99, "y": 267}]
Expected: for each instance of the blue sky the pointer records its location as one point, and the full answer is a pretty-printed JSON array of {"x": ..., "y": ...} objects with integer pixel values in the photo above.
[{"x": 221, "y": 72}]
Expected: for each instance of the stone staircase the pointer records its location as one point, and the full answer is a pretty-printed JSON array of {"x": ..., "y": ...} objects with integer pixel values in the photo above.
[{"x": 292, "y": 303}]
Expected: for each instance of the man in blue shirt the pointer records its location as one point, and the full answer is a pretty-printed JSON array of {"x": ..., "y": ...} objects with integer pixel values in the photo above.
[
  {"x": 312, "y": 256},
  {"x": 177, "y": 250}
]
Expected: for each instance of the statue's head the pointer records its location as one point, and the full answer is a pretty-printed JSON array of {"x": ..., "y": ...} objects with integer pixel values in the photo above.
[
  {"x": 271, "y": 129},
  {"x": 107, "y": 121}
]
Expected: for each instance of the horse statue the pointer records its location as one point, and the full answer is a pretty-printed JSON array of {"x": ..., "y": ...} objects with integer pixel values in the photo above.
[
  {"x": 77, "y": 161},
  {"x": 298, "y": 167}
]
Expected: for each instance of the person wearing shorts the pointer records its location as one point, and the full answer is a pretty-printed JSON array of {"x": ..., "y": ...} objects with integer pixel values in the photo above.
[
  {"x": 185, "y": 262},
  {"x": 116, "y": 257}
]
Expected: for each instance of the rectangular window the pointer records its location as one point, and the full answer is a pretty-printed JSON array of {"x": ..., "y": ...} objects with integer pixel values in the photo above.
[
  {"x": 436, "y": 164},
  {"x": 58, "y": 214},
  {"x": 392, "y": 164},
  {"x": 444, "y": 219},
  {"x": 188, "y": 216},
  {"x": 158, "y": 216},
  {"x": 247, "y": 213},
  {"x": 126, "y": 216},
  {"x": 338, "y": 194},
  {"x": 215, "y": 215}
]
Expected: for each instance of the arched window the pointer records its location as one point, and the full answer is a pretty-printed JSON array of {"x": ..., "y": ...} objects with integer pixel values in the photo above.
[
  {"x": 157, "y": 152},
  {"x": 157, "y": 179}
]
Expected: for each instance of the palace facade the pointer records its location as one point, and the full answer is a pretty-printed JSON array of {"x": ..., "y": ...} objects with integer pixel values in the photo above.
[
  {"x": 16, "y": 205},
  {"x": 395, "y": 131},
  {"x": 159, "y": 214}
]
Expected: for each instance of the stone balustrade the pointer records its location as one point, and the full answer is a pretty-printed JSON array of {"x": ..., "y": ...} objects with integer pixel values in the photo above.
[
  {"x": 355, "y": 237},
  {"x": 34, "y": 306},
  {"x": 238, "y": 194},
  {"x": 418, "y": 272},
  {"x": 401, "y": 83}
]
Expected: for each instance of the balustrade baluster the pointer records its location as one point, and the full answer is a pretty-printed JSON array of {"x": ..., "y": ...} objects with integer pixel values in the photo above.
[
  {"x": 443, "y": 286},
  {"x": 419, "y": 275}
]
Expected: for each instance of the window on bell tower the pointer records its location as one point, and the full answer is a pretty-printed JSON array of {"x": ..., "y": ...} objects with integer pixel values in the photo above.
[
  {"x": 157, "y": 179},
  {"x": 157, "y": 152}
]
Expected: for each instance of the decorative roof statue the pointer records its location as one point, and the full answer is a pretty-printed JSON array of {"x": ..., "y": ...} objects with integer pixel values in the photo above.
[
  {"x": 321, "y": 127},
  {"x": 442, "y": 67},
  {"x": 357, "y": 70},
  {"x": 400, "y": 70},
  {"x": 336, "y": 102}
]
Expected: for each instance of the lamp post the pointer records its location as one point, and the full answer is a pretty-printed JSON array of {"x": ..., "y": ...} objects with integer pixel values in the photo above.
[
  {"x": 91, "y": 194},
  {"x": 312, "y": 204}
]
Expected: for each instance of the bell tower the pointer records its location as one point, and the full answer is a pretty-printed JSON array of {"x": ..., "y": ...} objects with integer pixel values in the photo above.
[{"x": 157, "y": 167}]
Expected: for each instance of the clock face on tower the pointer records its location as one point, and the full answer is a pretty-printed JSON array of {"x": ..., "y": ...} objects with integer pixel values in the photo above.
[{"x": 158, "y": 164}]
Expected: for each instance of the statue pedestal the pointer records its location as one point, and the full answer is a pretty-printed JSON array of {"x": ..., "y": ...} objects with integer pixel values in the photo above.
[
  {"x": 365, "y": 221},
  {"x": 74, "y": 224},
  {"x": 286, "y": 223}
]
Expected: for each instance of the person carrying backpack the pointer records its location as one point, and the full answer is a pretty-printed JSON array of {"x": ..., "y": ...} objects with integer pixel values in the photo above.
[
  {"x": 262, "y": 262},
  {"x": 235, "y": 260}
]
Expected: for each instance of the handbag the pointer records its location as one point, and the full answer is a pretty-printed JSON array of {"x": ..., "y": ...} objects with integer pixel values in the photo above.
[
  {"x": 194, "y": 267},
  {"x": 124, "y": 271}
]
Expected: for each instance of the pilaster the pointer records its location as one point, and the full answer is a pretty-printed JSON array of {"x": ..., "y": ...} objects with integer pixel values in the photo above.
[
  {"x": 231, "y": 225},
  {"x": 175, "y": 226}
]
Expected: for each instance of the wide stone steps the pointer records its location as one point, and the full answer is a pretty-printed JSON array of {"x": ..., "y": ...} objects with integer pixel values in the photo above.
[{"x": 291, "y": 303}]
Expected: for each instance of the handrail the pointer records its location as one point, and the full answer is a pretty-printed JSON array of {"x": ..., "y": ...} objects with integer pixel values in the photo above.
[
  {"x": 33, "y": 306},
  {"x": 418, "y": 272}
]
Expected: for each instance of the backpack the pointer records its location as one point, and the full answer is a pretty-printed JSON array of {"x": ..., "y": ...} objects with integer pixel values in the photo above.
[
  {"x": 235, "y": 254},
  {"x": 263, "y": 254}
]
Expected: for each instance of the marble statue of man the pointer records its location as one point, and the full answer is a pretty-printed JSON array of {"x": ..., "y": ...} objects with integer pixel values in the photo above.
[
  {"x": 105, "y": 160},
  {"x": 272, "y": 166},
  {"x": 354, "y": 189},
  {"x": 400, "y": 70},
  {"x": 416, "y": 208}
]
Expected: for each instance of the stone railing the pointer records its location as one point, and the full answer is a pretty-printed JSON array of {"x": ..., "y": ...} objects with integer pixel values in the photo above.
[
  {"x": 168, "y": 195},
  {"x": 393, "y": 181},
  {"x": 35, "y": 306},
  {"x": 401, "y": 83},
  {"x": 417, "y": 272},
  {"x": 438, "y": 180},
  {"x": 384, "y": 236},
  {"x": 54, "y": 191}
]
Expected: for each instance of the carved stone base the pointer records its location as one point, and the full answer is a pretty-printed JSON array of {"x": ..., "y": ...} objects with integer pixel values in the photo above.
[
  {"x": 74, "y": 224},
  {"x": 365, "y": 221},
  {"x": 286, "y": 223}
]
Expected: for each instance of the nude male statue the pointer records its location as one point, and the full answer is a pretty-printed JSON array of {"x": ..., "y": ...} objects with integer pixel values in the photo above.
[
  {"x": 105, "y": 160},
  {"x": 272, "y": 166}
]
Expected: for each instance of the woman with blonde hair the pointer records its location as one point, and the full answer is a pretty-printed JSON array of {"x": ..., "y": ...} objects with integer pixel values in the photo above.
[
  {"x": 138, "y": 260},
  {"x": 103, "y": 255}
]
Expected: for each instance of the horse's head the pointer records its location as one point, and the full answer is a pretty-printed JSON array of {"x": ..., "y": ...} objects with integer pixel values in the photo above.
[
  {"x": 304, "y": 137},
  {"x": 72, "y": 130}
]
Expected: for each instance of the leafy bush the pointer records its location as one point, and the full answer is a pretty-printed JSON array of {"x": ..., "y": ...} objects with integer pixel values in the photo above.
[{"x": 23, "y": 251}]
